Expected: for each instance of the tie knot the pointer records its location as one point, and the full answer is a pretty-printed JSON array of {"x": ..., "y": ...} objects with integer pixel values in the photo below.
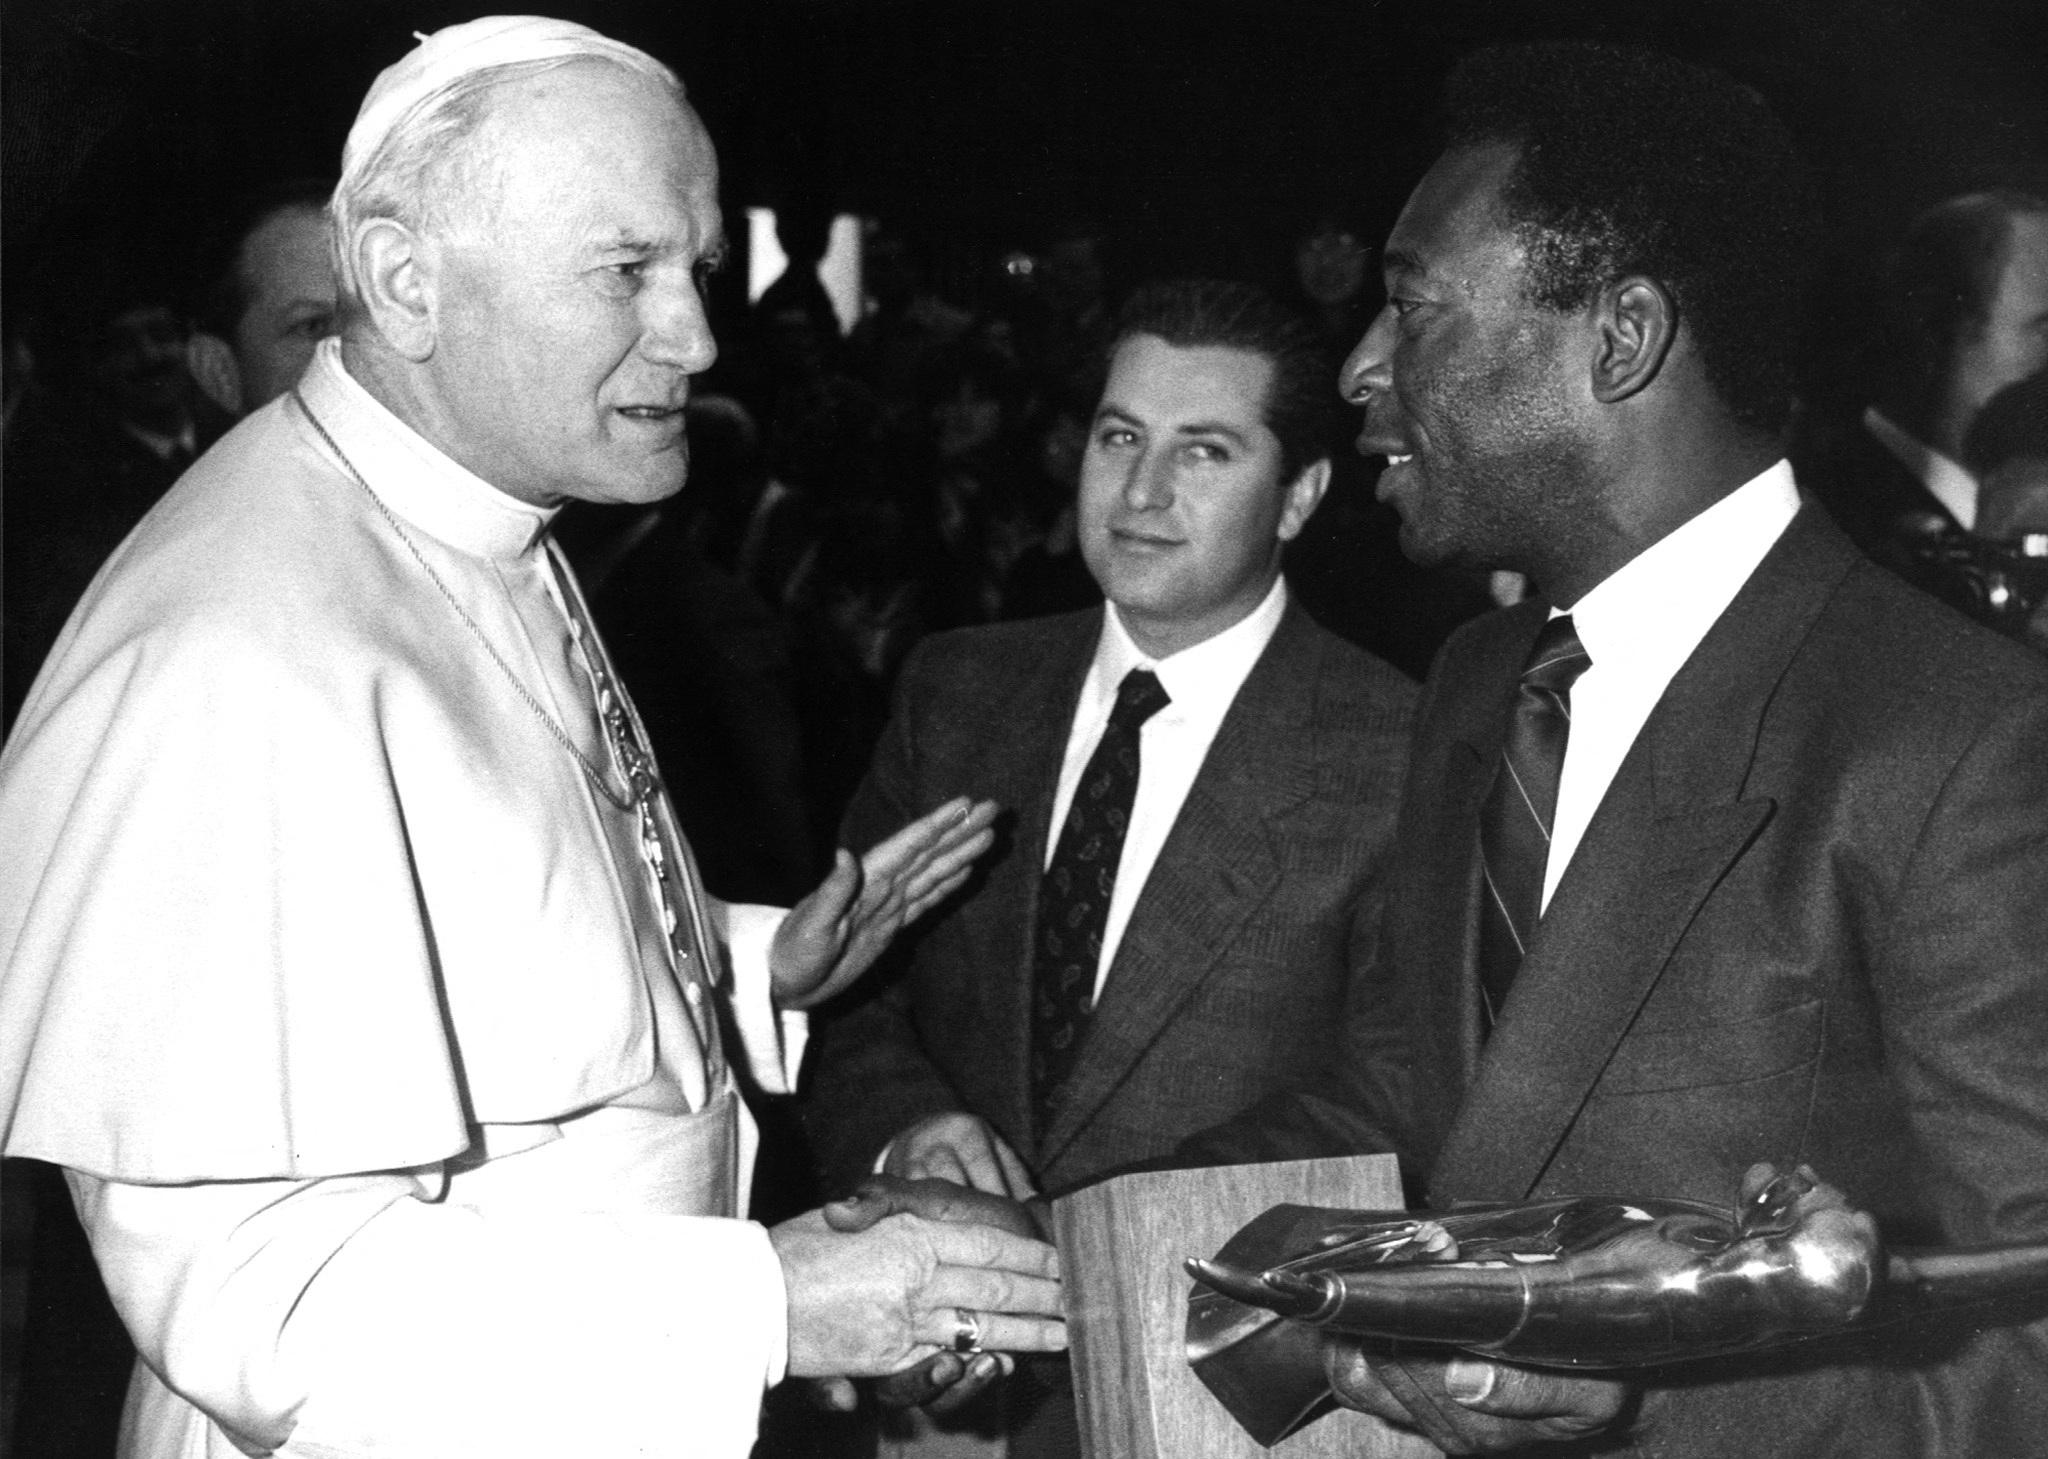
[
  {"x": 1558, "y": 658},
  {"x": 1138, "y": 698}
]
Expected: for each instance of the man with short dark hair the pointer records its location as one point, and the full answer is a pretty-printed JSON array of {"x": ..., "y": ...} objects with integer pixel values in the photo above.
[
  {"x": 271, "y": 298},
  {"x": 1201, "y": 780},
  {"x": 1726, "y": 847}
]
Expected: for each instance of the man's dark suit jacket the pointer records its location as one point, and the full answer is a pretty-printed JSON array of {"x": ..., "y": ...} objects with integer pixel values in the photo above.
[
  {"x": 1237, "y": 956},
  {"x": 1808, "y": 922}
]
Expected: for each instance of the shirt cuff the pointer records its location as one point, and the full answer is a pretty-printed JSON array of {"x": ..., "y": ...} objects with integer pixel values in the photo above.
[{"x": 773, "y": 1039}]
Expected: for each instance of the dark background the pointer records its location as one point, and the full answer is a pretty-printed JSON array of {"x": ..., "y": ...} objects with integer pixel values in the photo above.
[{"x": 1192, "y": 135}]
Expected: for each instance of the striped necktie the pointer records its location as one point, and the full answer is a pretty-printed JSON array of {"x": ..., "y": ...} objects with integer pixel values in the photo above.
[{"x": 1514, "y": 823}]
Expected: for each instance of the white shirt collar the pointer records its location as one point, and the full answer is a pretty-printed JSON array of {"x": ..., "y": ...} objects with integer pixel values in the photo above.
[
  {"x": 1655, "y": 608},
  {"x": 1639, "y": 627},
  {"x": 1201, "y": 680},
  {"x": 1947, "y": 480},
  {"x": 410, "y": 475},
  {"x": 162, "y": 446}
]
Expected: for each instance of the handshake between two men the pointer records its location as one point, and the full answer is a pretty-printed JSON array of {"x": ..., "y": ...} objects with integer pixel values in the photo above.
[
  {"x": 989, "y": 1288},
  {"x": 925, "y": 1284}
]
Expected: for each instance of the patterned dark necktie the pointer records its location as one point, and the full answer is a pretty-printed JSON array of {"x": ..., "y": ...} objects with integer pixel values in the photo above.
[
  {"x": 1073, "y": 899},
  {"x": 1514, "y": 824}
]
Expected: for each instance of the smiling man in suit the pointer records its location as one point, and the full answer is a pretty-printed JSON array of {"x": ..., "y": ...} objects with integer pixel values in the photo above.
[
  {"x": 1726, "y": 847},
  {"x": 1202, "y": 782}
]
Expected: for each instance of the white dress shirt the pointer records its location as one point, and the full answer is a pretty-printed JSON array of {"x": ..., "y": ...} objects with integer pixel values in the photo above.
[
  {"x": 1640, "y": 625},
  {"x": 1947, "y": 480},
  {"x": 1202, "y": 682}
]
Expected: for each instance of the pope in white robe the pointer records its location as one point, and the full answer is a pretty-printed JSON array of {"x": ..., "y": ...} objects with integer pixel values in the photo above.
[
  {"x": 353, "y": 969},
  {"x": 296, "y": 886}
]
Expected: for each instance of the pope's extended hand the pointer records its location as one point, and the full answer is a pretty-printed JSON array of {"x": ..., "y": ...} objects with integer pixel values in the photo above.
[
  {"x": 832, "y": 936},
  {"x": 876, "y": 1300}
]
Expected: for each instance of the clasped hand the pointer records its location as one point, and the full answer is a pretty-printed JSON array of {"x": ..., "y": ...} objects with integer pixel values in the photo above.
[
  {"x": 877, "y": 1283},
  {"x": 962, "y": 1148}
]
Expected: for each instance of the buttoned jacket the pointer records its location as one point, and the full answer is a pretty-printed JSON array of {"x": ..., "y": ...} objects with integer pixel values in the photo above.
[
  {"x": 1807, "y": 923},
  {"x": 1239, "y": 954}
]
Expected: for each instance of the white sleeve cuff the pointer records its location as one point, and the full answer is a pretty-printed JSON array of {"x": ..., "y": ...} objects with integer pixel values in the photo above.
[{"x": 774, "y": 1040}]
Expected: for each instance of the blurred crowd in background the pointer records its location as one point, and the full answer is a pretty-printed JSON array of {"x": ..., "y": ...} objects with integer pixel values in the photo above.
[
  {"x": 852, "y": 490},
  {"x": 849, "y": 491}
]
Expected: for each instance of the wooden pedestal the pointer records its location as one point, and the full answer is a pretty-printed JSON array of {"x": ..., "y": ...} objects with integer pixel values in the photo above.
[{"x": 1121, "y": 1246}]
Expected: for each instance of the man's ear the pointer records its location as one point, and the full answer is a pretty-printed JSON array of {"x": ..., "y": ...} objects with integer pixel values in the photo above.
[
  {"x": 1303, "y": 493},
  {"x": 1637, "y": 322},
  {"x": 397, "y": 268},
  {"x": 211, "y": 362}
]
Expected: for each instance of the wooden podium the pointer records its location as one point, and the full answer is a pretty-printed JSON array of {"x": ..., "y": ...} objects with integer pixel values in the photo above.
[{"x": 1121, "y": 1246}]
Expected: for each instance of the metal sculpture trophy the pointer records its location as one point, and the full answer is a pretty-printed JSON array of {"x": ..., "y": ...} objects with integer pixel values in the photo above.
[{"x": 1586, "y": 1283}]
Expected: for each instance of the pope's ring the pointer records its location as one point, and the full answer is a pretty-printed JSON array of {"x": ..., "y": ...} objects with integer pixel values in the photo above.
[{"x": 966, "y": 1331}]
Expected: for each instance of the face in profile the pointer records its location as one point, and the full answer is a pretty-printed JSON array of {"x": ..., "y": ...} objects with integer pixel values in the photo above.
[
  {"x": 288, "y": 280},
  {"x": 1183, "y": 509},
  {"x": 1468, "y": 386},
  {"x": 569, "y": 318}
]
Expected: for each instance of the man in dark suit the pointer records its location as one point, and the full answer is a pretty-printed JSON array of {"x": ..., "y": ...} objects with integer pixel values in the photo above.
[
  {"x": 1790, "y": 899},
  {"x": 1021, "y": 1048},
  {"x": 124, "y": 423},
  {"x": 1963, "y": 315}
]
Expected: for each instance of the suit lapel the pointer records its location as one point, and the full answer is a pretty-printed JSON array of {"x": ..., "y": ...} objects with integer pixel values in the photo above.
[
  {"x": 1219, "y": 864},
  {"x": 1020, "y": 768},
  {"x": 1670, "y": 825}
]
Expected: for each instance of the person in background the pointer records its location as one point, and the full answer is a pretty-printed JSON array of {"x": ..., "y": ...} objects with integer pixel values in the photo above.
[
  {"x": 270, "y": 297},
  {"x": 1202, "y": 780},
  {"x": 1965, "y": 311},
  {"x": 1346, "y": 566},
  {"x": 905, "y": 322},
  {"x": 2008, "y": 449},
  {"x": 1330, "y": 271},
  {"x": 1998, "y": 571},
  {"x": 804, "y": 229},
  {"x": 120, "y": 419}
]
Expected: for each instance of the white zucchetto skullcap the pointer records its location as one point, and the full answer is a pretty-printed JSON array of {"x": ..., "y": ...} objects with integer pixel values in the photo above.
[{"x": 476, "y": 45}]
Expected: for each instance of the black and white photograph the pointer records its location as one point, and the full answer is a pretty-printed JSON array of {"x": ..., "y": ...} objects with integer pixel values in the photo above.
[{"x": 1096, "y": 729}]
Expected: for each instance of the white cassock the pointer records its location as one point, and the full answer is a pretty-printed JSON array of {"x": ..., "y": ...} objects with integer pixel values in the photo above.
[{"x": 341, "y": 987}]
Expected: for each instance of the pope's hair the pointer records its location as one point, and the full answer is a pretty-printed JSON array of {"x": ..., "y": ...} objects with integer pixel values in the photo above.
[{"x": 424, "y": 172}]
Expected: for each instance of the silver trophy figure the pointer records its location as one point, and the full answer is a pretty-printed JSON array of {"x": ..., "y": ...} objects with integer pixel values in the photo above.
[{"x": 1587, "y": 1283}]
